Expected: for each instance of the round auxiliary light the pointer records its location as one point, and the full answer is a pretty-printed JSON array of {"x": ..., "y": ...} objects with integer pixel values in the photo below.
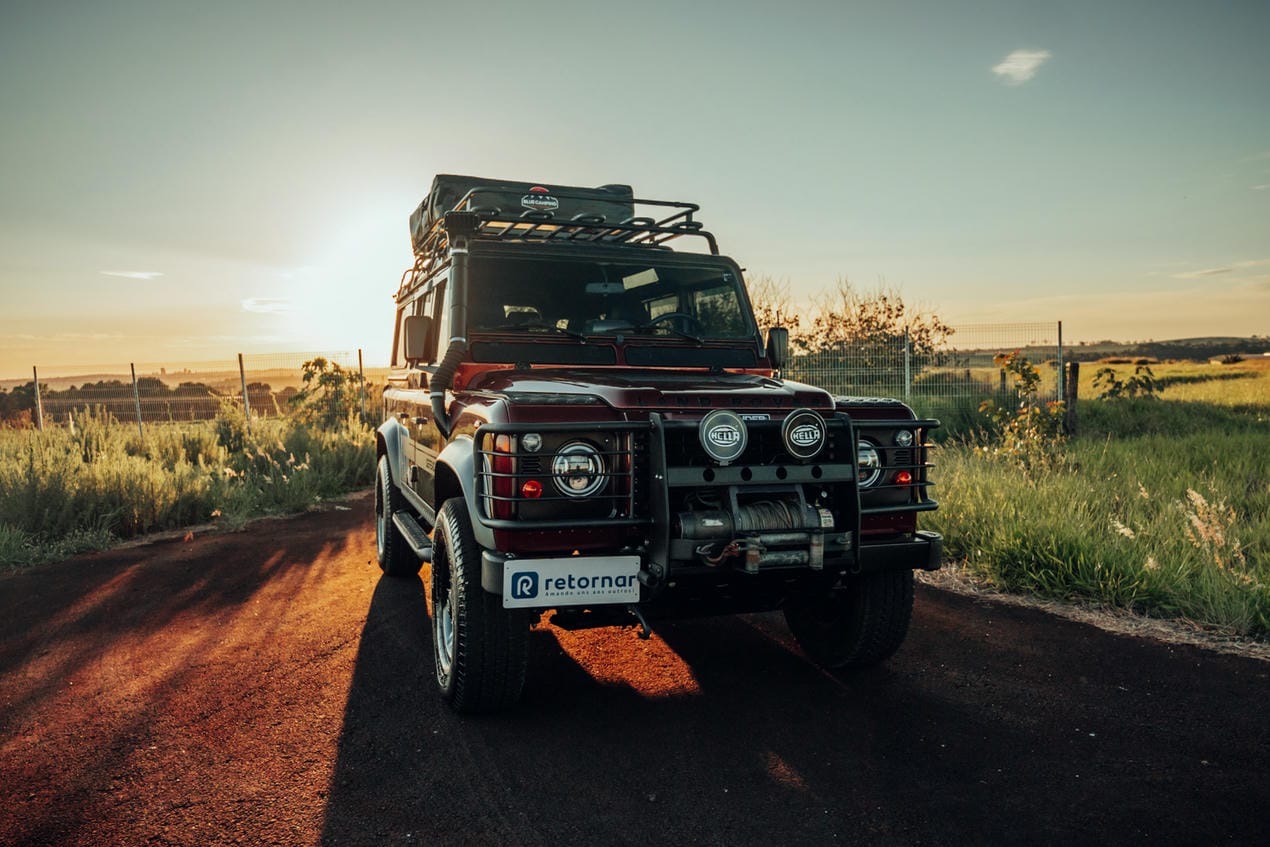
[
  {"x": 723, "y": 435},
  {"x": 531, "y": 490},
  {"x": 803, "y": 433},
  {"x": 869, "y": 463},
  {"x": 904, "y": 438},
  {"x": 903, "y": 478},
  {"x": 531, "y": 441},
  {"x": 578, "y": 469}
]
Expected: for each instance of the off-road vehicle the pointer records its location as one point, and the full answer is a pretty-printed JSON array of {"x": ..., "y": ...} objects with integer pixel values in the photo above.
[{"x": 584, "y": 420}]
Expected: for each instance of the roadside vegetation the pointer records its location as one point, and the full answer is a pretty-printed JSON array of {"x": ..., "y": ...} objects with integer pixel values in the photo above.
[
  {"x": 1160, "y": 504},
  {"x": 68, "y": 490}
]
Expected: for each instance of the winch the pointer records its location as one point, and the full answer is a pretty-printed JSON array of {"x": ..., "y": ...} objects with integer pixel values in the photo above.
[{"x": 780, "y": 531}]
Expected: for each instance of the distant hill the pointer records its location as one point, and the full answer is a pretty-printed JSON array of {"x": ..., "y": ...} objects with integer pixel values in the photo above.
[{"x": 1198, "y": 349}]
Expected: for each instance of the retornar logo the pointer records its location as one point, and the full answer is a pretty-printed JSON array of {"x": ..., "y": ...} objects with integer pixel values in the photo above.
[{"x": 524, "y": 585}]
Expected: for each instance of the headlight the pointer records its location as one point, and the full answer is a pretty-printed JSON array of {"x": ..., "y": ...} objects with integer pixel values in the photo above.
[
  {"x": 578, "y": 469},
  {"x": 869, "y": 463}
]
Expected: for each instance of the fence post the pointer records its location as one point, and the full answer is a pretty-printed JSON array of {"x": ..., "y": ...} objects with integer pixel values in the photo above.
[
  {"x": 1062, "y": 392},
  {"x": 39, "y": 403},
  {"x": 242, "y": 376},
  {"x": 908, "y": 367},
  {"x": 136, "y": 398},
  {"x": 361, "y": 378},
  {"x": 1071, "y": 388}
]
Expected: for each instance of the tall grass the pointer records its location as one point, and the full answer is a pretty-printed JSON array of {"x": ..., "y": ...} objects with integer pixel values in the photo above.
[
  {"x": 1160, "y": 506},
  {"x": 62, "y": 491}
]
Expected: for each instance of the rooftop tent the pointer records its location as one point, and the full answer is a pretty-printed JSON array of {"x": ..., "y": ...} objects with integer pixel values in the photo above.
[{"x": 613, "y": 203}]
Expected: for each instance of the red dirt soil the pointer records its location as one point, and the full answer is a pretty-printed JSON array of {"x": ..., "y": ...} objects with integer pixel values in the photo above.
[{"x": 270, "y": 687}]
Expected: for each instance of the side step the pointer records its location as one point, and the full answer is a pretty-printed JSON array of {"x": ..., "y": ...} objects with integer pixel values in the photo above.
[{"x": 414, "y": 535}]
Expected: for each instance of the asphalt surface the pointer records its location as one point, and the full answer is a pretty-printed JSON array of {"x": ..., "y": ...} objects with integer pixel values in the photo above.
[{"x": 269, "y": 687}]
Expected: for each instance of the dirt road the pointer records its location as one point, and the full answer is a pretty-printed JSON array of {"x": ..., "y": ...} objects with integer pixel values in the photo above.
[{"x": 268, "y": 687}]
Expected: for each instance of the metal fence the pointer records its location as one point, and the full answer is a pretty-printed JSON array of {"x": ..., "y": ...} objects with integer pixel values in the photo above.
[
  {"x": 946, "y": 381},
  {"x": 263, "y": 384},
  {"x": 960, "y": 372}
]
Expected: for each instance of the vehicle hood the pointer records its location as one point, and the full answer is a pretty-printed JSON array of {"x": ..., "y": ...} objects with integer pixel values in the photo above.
[{"x": 652, "y": 390}]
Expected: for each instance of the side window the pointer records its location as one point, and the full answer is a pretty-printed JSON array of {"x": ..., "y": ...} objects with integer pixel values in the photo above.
[
  {"x": 399, "y": 338},
  {"x": 428, "y": 303},
  {"x": 440, "y": 317}
]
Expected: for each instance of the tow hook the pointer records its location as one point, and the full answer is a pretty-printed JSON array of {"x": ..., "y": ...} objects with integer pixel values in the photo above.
[{"x": 645, "y": 631}]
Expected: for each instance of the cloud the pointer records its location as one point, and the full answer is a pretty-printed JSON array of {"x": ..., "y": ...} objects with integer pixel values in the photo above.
[
  {"x": 1021, "y": 65},
  {"x": 267, "y": 305},
  {"x": 1231, "y": 268},
  {"x": 1203, "y": 273},
  {"x": 1261, "y": 187},
  {"x": 134, "y": 274}
]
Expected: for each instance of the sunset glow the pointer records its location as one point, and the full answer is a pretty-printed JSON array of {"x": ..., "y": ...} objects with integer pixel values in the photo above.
[{"x": 199, "y": 183}]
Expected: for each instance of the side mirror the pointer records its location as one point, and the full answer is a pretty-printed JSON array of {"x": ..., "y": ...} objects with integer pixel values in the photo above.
[
  {"x": 778, "y": 346},
  {"x": 420, "y": 344}
]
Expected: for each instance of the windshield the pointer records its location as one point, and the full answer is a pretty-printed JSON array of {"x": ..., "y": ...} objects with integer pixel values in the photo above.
[{"x": 695, "y": 301}]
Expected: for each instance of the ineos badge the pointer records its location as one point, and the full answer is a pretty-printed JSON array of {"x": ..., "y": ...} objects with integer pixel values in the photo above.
[
  {"x": 803, "y": 433},
  {"x": 723, "y": 435}
]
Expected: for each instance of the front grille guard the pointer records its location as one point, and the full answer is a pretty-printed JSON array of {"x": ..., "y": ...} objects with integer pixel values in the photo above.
[
  {"x": 632, "y": 480},
  {"x": 623, "y": 486},
  {"x": 895, "y": 459}
]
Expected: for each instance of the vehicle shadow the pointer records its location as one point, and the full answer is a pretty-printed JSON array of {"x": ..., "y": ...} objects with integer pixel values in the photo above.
[{"x": 719, "y": 731}]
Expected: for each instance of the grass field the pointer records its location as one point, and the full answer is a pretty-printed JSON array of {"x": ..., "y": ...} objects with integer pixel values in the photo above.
[
  {"x": 1159, "y": 505},
  {"x": 64, "y": 491}
]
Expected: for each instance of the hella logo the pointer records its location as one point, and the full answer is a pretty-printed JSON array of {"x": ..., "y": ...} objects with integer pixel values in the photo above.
[
  {"x": 724, "y": 435},
  {"x": 807, "y": 435}
]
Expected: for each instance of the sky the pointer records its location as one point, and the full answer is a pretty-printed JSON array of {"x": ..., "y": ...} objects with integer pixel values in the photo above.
[{"x": 185, "y": 181}]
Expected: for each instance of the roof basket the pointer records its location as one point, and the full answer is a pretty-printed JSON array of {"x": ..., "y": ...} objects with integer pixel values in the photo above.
[{"x": 511, "y": 211}]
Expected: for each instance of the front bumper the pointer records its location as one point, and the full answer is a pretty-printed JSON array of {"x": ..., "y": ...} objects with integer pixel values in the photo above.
[{"x": 924, "y": 552}]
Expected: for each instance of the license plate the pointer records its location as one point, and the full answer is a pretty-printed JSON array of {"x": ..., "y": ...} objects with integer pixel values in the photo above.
[{"x": 575, "y": 581}]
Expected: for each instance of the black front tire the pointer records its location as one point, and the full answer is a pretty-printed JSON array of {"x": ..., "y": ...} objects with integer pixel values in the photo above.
[
  {"x": 394, "y": 554},
  {"x": 481, "y": 650},
  {"x": 857, "y": 626}
]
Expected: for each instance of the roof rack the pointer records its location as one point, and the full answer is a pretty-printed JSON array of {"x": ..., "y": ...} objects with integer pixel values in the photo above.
[{"x": 536, "y": 225}]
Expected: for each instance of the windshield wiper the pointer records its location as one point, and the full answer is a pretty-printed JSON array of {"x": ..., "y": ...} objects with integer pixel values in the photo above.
[
  {"x": 653, "y": 325},
  {"x": 535, "y": 325}
]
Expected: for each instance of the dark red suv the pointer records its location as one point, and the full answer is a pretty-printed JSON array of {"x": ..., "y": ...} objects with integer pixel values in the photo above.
[{"x": 582, "y": 419}]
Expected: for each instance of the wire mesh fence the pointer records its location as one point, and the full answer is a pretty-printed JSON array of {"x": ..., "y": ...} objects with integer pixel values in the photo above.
[
  {"x": 948, "y": 381},
  {"x": 153, "y": 392},
  {"x": 951, "y": 378}
]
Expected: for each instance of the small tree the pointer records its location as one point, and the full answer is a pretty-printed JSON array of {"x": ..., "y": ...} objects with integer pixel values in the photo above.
[
  {"x": 330, "y": 393},
  {"x": 860, "y": 336},
  {"x": 872, "y": 320},
  {"x": 1142, "y": 384}
]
